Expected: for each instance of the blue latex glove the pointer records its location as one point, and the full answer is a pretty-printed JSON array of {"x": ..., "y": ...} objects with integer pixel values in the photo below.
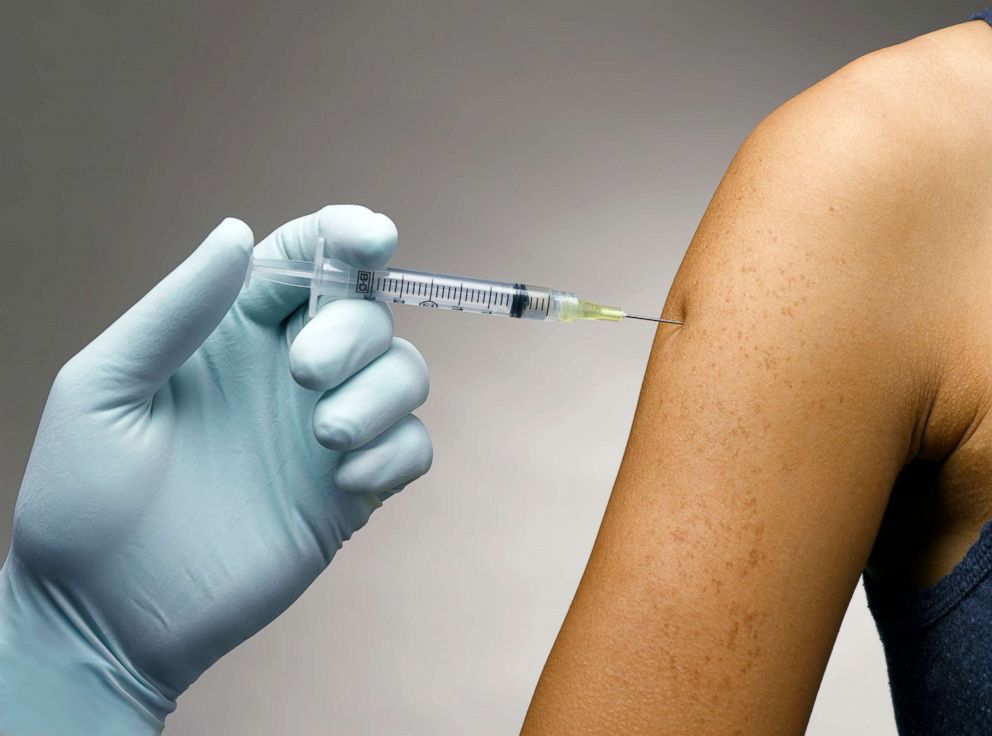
[{"x": 183, "y": 489}]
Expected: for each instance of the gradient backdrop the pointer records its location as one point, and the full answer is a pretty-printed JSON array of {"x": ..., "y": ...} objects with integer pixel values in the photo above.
[{"x": 570, "y": 143}]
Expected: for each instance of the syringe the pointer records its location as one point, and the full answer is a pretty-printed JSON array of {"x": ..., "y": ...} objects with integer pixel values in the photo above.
[{"x": 326, "y": 277}]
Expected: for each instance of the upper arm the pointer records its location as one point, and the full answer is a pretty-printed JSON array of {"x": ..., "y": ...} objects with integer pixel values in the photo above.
[{"x": 769, "y": 431}]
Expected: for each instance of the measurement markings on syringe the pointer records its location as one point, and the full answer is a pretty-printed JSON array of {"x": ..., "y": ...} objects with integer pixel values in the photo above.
[
  {"x": 536, "y": 304},
  {"x": 427, "y": 291}
]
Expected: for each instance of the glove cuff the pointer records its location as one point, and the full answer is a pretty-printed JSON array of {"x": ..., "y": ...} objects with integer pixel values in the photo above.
[{"x": 59, "y": 678}]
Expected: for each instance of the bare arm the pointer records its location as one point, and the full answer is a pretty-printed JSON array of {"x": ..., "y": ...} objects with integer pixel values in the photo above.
[{"x": 769, "y": 430}]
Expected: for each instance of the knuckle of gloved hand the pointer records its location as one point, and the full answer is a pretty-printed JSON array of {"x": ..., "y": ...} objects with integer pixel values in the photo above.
[
  {"x": 381, "y": 242},
  {"x": 419, "y": 445},
  {"x": 409, "y": 445},
  {"x": 427, "y": 455},
  {"x": 416, "y": 374},
  {"x": 425, "y": 459}
]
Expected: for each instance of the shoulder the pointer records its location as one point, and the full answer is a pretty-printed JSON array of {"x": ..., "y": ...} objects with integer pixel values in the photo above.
[
  {"x": 846, "y": 215},
  {"x": 905, "y": 119},
  {"x": 924, "y": 96}
]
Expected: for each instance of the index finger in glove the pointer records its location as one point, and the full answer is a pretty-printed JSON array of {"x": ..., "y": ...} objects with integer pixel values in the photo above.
[{"x": 354, "y": 234}]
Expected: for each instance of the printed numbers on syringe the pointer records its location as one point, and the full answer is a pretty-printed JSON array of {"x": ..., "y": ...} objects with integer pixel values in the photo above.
[{"x": 437, "y": 292}]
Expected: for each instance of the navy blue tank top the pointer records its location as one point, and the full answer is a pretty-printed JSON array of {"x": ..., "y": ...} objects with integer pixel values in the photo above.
[
  {"x": 938, "y": 647},
  {"x": 938, "y": 641}
]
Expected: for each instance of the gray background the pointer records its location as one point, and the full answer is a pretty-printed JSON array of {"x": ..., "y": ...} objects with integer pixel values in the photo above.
[{"x": 573, "y": 144}]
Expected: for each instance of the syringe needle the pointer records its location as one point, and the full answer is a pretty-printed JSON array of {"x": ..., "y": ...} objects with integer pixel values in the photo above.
[{"x": 652, "y": 319}]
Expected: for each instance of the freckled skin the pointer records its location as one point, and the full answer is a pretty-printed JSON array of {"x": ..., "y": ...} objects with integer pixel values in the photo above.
[{"x": 823, "y": 349}]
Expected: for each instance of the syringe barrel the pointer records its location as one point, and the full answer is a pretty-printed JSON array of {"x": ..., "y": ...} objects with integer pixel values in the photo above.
[{"x": 436, "y": 291}]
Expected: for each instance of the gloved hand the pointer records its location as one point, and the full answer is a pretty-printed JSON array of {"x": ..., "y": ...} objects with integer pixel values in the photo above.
[{"x": 183, "y": 489}]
